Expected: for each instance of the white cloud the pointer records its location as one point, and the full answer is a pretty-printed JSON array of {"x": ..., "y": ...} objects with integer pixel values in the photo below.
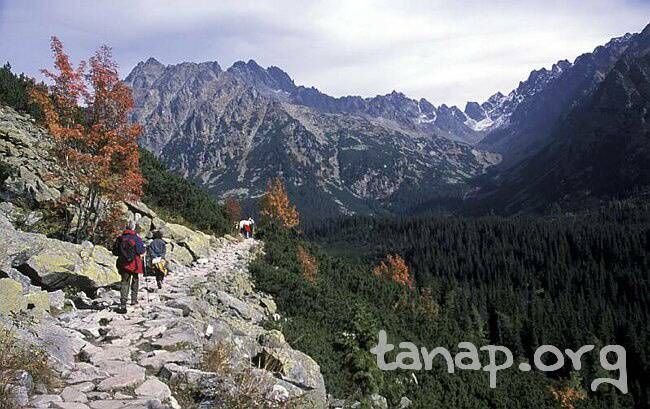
[{"x": 444, "y": 52}]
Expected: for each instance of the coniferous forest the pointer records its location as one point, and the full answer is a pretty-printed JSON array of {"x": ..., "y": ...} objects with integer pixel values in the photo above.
[{"x": 567, "y": 280}]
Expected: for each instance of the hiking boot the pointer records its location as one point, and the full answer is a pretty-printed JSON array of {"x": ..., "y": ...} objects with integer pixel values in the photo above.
[
  {"x": 134, "y": 303},
  {"x": 121, "y": 310}
]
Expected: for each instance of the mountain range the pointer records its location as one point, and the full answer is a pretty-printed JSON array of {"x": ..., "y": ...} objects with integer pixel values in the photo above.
[
  {"x": 232, "y": 130},
  {"x": 600, "y": 149}
]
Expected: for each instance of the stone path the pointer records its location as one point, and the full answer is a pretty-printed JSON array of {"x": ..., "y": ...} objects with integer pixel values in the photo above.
[{"x": 111, "y": 361}]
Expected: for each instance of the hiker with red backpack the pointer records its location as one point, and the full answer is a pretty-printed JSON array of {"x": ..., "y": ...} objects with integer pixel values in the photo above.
[{"x": 129, "y": 249}]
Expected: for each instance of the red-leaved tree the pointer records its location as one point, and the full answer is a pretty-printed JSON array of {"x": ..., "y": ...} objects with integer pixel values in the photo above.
[
  {"x": 394, "y": 269},
  {"x": 85, "y": 110}
]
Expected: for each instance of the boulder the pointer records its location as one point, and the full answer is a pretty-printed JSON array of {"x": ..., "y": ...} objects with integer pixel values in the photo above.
[
  {"x": 153, "y": 388},
  {"x": 141, "y": 209},
  {"x": 179, "y": 254},
  {"x": 269, "y": 305},
  {"x": 38, "y": 301},
  {"x": 19, "y": 216},
  {"x": 54, "y": 264},
  {"x": 295, "y": 367},
  {"x": 128, "y": 375},
  {"x": 57, "y": 299},
  {"x": 196, "y": 242},
  {"x": 10, "y": 272},
  {"x": 11, "y": 294},
  {"x": 144, "y": 226},
  {"x": 378, "y": 402},
  {"x": 404, "y": 403}
]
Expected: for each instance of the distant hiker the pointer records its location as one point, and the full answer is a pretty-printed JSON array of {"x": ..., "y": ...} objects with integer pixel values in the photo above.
[
  {"x": 243, "y": 229},
  {"x": 129, "y": 249},
  {"x": 246, "y": 227},
  {"x": 157, "y": 253},
  {"x": 251, "y": 224}
]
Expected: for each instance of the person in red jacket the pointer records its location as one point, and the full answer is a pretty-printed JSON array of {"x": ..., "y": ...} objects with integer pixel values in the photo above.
[{"x": 129, "y": 249}]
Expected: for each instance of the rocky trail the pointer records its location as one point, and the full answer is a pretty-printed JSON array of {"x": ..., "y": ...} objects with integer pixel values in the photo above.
[{"x": 151, "y": 356}]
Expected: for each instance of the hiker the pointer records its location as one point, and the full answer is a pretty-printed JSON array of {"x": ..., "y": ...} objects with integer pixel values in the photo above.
[
  {"x": 129, "y": 249},
  {"x": 157, "y": 252},
  {"x": 251, "y": 224},
  {"x": 244, "y": 228}
]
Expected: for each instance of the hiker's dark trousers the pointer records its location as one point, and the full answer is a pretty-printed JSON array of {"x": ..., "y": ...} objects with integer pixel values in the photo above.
[{"x": 129, "y": 281}]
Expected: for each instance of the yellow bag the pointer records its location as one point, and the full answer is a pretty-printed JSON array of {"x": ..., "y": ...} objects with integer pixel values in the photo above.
[{"x": 160, "y": 266}]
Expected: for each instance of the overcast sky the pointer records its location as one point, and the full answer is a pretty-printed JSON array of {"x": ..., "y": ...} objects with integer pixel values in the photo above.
[{"x": 445, "y": 51}]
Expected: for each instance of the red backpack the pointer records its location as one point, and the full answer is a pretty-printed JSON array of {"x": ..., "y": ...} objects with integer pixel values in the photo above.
[{"x": 127, "y": 255}]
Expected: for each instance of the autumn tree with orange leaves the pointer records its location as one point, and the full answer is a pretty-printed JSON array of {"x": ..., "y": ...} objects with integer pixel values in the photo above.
[
  {"x": 394, "y": 269},
  {"x": 568, "y": 397},
  {"x": 85, "y": 110},
  {"x": 308, "y": 264},
  {"x": 276, "y": 206},
  {"x": 569, "y": 393}
]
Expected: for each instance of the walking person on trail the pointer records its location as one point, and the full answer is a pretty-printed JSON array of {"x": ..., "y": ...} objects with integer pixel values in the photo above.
[
  {"x": 157, "y": 252},
  {"x": 245, "y": 228},
  {"x": 251, "y": 225},
  {"x": 129, "y": 250}
]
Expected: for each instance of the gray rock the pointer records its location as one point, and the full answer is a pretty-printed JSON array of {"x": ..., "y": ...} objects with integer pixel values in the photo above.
[
  {"x": 84, "y": 372},
  {"x": 269, "y": 305},
  {"x": 23, "y": 379},
  {"x": 378, "y": 402},
  {"x": 56, "y": 264},
  {"x": 144, "y": 226},
  {"x": 272, "y": 339},
  {"x": 57, "y": 299},
  {"x": 72, "y": 394},
  {"x": 10, "y": 272},
  {"x": 18, "y": 394},
  {"x": 157, "y": 359},
  {"x": 44, "y": 400},
  {"x": 11, "y": 294},
  {"x": 69, "y": 405},
  {"x": 126, "y": 404},
  {"x": 404, "y": 403},
  {"x": 129, "y": 375},
  {"x": 153, "y": 388},
  {"x": 141, "y": 208},
  {"x": 98, "y": 396},
  {"x": 243, "y": 309}
]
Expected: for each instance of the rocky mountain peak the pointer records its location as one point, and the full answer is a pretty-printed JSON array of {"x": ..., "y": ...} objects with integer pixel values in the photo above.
[
  {"x": 272, "y": 78},
  {"x": 475, "y": 111}
]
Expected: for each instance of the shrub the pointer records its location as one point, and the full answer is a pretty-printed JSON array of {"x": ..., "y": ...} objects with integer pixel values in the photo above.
[
  {"x": 14, "y": 92},
  {"x": 308, "y": 264},
  {"x": 16, "y": 356}
]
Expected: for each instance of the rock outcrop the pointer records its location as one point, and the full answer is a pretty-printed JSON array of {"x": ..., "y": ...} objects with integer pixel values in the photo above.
[
  {"x": 34, "y": 259},
  {"x": 25, "y": 149}
]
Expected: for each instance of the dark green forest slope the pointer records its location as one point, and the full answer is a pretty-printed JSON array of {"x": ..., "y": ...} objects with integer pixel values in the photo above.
[{"x": 568, "y": 281}]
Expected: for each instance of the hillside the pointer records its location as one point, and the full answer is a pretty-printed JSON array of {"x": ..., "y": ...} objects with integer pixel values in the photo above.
[{"x": 567, "y": 280}]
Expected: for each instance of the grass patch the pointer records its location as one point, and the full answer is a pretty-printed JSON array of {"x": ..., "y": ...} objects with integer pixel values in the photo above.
[
  {"x": 217, "y": 359},
  {"x": 17, "y": 356},
  {"x": 253, "y": 390}
]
